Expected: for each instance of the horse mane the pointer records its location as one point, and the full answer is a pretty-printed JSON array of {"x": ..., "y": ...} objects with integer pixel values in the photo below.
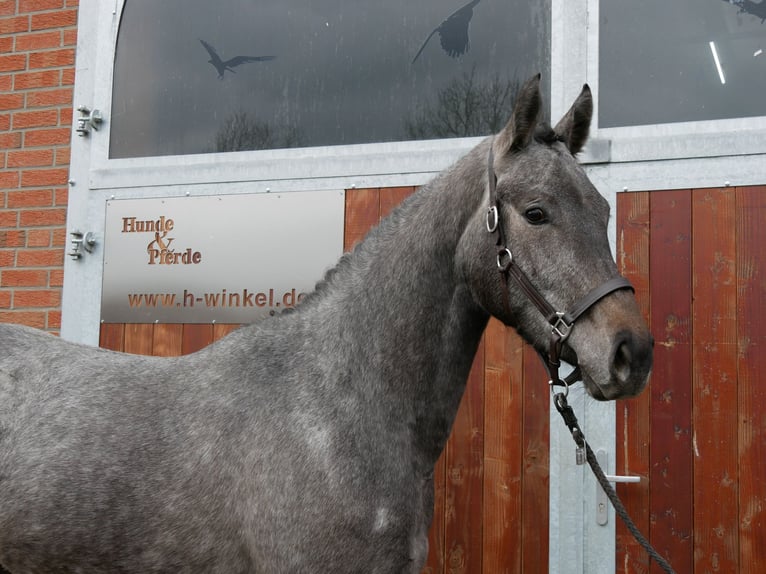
[{"x": 545, "y": 134}]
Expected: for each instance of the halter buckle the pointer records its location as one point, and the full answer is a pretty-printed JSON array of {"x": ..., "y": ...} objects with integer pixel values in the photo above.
[
  {"x": 561, "y": 328},
  {"x": 501, "y": 252},
  {"x": 492, "y": 224}
]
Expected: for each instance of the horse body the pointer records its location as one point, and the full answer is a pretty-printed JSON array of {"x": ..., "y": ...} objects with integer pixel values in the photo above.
[{"x": 305, "y": 442}]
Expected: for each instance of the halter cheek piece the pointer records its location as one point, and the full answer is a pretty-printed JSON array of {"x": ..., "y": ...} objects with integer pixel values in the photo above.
[{"x": 561, "y": 322}]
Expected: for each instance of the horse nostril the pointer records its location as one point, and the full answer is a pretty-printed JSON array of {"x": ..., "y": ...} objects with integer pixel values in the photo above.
[{"x": 622, "y": 357}]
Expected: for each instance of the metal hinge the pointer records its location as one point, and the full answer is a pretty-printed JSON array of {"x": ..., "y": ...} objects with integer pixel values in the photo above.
[
  {"x": 80, "y": 242},
  {"x": 88, "y": 119}
]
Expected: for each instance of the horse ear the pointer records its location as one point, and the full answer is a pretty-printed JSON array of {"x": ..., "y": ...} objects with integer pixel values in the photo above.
[
  {"x": 526, "y": 112},
  {"x": 573, "y": 128}
]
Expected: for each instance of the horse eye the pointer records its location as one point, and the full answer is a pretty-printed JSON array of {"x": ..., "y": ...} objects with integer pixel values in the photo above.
[{"x": 535, "y": 216}]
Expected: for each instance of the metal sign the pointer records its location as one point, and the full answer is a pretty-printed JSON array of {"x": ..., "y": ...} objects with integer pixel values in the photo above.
[{"x": 223, "y": 258}]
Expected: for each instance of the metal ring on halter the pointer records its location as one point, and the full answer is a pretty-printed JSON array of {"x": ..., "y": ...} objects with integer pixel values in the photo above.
[
  {"x": 500, "y": 254},
  {"x": 561, "y": 382},
  {"x": 491, "y": 227}
]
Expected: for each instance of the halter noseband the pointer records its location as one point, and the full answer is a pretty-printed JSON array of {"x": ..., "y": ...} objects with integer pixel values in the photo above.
[{"x": 561, "y": 322}]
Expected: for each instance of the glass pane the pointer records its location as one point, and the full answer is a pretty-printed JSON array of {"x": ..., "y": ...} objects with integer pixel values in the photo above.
[
  {"x": 664, "y": 61},
  {"x": 201, "y": 76}
]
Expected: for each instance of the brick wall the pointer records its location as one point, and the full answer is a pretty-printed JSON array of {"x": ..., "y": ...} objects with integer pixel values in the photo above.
[{"x": 37, "y": 56}]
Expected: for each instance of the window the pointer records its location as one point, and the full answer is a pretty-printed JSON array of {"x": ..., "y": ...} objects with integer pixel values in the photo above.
[
  {"x": 663, "y": 61},
  {"x": 199, "y": 77}
]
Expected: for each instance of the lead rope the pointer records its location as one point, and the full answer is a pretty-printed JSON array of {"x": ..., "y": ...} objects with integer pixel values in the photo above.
[{"x": 570, "y": 420}]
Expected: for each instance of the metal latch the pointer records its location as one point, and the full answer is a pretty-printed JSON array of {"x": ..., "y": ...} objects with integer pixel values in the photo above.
[
  {"x": 88, "y": 119},
  {"x": 602, "y": 501},
  {"x": 80, "y": 242}
]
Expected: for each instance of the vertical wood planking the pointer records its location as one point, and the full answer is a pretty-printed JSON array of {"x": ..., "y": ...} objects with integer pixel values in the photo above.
[
  {"x": 362, "y": 213},
  {"x": 196, "y": 337},
  {"x": 390, "y": 197},
  {"x": 168, "y": 340},
  {"x": 714, "y": 377},
  {"x": 220, "y": 330},
  {"x": 112, "y": 336},
  {"x": 751, "y": 334},
  {"x": 671, "y": 463},
  {"x": 138, "y": 338},
  {"x": 464, "y": 491},
  {"x": 502, "y": 449},
  {"x": 535, "y": 480},
  {"x": 436, "y": 553},
  {"x": 633, "y": 416}
]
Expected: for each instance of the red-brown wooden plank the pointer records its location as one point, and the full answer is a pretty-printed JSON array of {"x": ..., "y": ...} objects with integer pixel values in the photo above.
[
  {"x": 390, "y": 197},
  {"x": 168, "y": 340},
  {"x": 465, "y": 454},
  {"x": 139, "y": 338},
  {"x": 112, "y": 336},
  {"x": 436, "y": 554},
  {"x": 714, "y": 370},
  {"x": 536, "y": 448},
  {"x": 502, "y": 449},
  {"x": 195, "y": 337},
  {"x": 633, "y": 416},
  {"x": 362, "y": 212},
  {"x": 670, "y": 455},
  {"x": 220, "y": 330},
  {"x": 751, "y": 332}
]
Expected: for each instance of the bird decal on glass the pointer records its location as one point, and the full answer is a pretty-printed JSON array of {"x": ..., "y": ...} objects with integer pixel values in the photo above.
[
  {"x": 222, "y": 65},
  {"x": 453, "y": 32}
]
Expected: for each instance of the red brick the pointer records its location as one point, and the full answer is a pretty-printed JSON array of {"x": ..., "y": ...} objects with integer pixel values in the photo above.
[
  {"x": 31, "y": 198},
  {"x": 6, "y": 44},
  {"x": 61, "y": 196},
  {"x": 35, "y": 119},
  {"x": 10, "y": 140},
  {"x": 29, "y": 318},
  {"x": 52, "y": 58},
  {"x": 9, "y": 179},
  {"x": 5, "y": 299},
  {"x": 39, "y": 238},
  {"x": 40, "y": 217},
  {"x": 38, "y": 41},
  {"x": 48, "y": 98},
  {"x": 14, "y": 24},
  {"x": 59, "y": 237},
  {"x": 13, "y": 62},
  {"x": 28, "y": 158},
  {"x": 44, "y": 177},
  {"x": 67, "y": 76},
  {"x": 6, "y": 83},
  {"x": 56, "y": 278},
  {"x": 47, "y": 137},
  {"x": 63, "y": 156},
  {"x": 13, "y": 238},
  {"x": 5, "y": 122},
  {"x": 59, "y": 19},
  {"x": 65, "y": 115},
  {"x": 39, "y": 5},
  {"x": 54, "y": 320},
  {"x": 40, "y": 258},
  {"x": 9, "y": 218},
  {"x": 38, "y": 79},
  {"x": 23, "y": 278},
  {"x": 7, "y": 257},
  {"x": 11, "y": 101},
  {"x": 36, "y": 298},
  {"x": 69, "y": 37},
  {"x": 7, "y": 7}
]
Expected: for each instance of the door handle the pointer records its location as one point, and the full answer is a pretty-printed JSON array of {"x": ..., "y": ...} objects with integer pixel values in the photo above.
[{"x": 602, "y": 501}]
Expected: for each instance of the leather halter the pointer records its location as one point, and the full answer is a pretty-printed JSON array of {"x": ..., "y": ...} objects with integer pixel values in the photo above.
[{"x": 561, "y": 322}]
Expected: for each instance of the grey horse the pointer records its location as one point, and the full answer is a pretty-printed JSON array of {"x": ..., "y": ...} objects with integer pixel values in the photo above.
[{"x": 306, "y": 442}]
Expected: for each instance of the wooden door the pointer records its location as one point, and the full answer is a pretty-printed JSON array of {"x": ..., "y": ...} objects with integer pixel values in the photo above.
[
  {"x": 491, "y": 504},
  {"x": 698, "y": 437}
]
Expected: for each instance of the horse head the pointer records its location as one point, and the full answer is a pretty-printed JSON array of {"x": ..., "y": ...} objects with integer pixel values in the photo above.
[{"x": 543, "y": 220}]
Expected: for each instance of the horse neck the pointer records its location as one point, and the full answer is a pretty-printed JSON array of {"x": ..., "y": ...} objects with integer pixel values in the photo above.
[{"x": 411, "y": 323}]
